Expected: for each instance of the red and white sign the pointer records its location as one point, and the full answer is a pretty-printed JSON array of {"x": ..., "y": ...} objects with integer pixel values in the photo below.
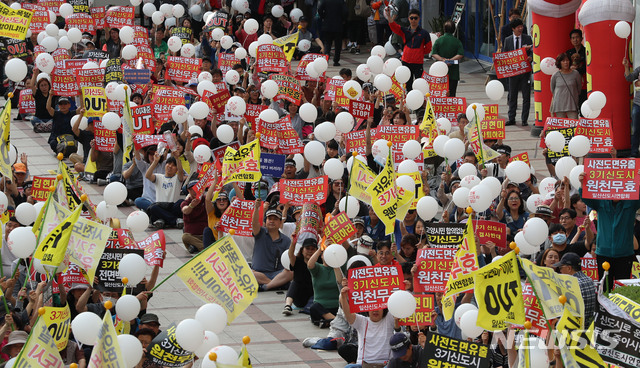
[
  {"x": 119, "y": 16},
  {"x": 599, "y": 133},
  {"x": 590, "y": 267},
  {"x": 434, "y": 265},
  {"x": 143, "y": 119},
  {"x": 301, "y": 71},
  {"x": 370, "y": 287},
  {"x": 182, "y": 69},
  {"x": 491, "y": 231},
  {"x": 271, "y": 58},
  {"x": 105, "y": 139},
  {"x": 238, "y": 217},
  {"x": 226, "y": 61},
  {"x": 164, "y": 99},
  {"x": 154, "y": 249},
  {"x": 511, "y": 63},
  {"x": 297, "y": 192},
  {"x": 611, "y": 178},
  {"x": 449, "y": 107},
  {"x": 425, "y": 305},
  {"x": 438, "y": 86},
  {"x": 26, "y": 102}
]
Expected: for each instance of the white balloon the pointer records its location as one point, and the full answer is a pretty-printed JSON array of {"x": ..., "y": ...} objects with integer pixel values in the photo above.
[
  {"x": 494, "y": 90},
  {"x": 454, "y": 149},
  {"x": 225, "y": 133},
  {"x": 127, "y": 307},
  {"x": 438, "y": 144},
  {"x": 194, "y": 129},
  {"x": 64, "y": 43},
  {"x": 350, "y": 205},
  {"x": 344, "y": 122},
  {"x": 535, "y": 230},
  {"x": 555, "y": 141},
  {"x": 546, "y": 186},
  {"x": 295, "y": 14},
  {"x": 265, "y": 39},
  {"x": 311, "y": 71},
  {"x": 564, "y": 166},
  {"x": 174, "y": 43},
  {"x": 380, "y": 149},
  {"x": 111, "y": 121},
  {"x": 467, "y": 169},
  {"x": 74, "y": 34},
  {"x": 16, "y": 69},
  {"x": 427, "y": 208},
  {"x": 202, "y": 153},
  {"x": 133, "y": 267},
  {"x": 225, "y": 355},
  {"x": 597, "y": 100},
  {"x": 325, "y": 132},
  {"x": 470, "y": 181},
  {"x": 130, "y": 347},
  {"x": 126, "y": 34},
  {"x": 22, "y": 242},
  {"x": 137, "y": 221},
  {"x": 129, "y": 52},
  {"x": 439, "y": 69},
  {"x": 44, "y": 62},
  {"x": 538, "y": 357},
  {"x": 403, "y": 74},
  {"x": 548, "y": 66},
  {"x": 86, "y": 326},
  {"x": 574, "y": 176},
  {"x": 471, "y": 112},
  {"x": 236, "y": 105},
  {"x": 382, "y": 82},
  {"x": 179, "y": 114},
  {"x": 622, "y": 29},
  {"x": 401, "y": 304},
  {"x": 585, "y": 109},
  {"x": 421, "y": 84},
  {"x": 406, "y": 182},
  {"x": 148, "y": 9},
  {"x": 232, "y": 77},
  {"x": 187, "y": 50},
  {"x": 90, "y": 65},
  {"x": 195, "y": 10},
  {"x": 115, "y": 193},
  {"x": 444, "y": 125},
  {"x": 468, "y": 324},
  {"x": 579, "y": 146},
  {"x": 4, "y": 202},
  {"x": 407, "y": 166},
  {"x": 314, "y": 152},
  {"x": 526, "y": 248},
  {"x": 251, "y": 26},
  {"x": 65, "y": 10},
  {"x": 358, "y": 257},
  {"x": 334, "y": 168},
  {"x": 461, "y": 310},
  {"x": 120, "y": 93},
  {"x": 335, "y": 256},
  {"x": 166, "y": 9},
  {"x": 226, "y": 42},
  {"x": 52, "y": 30},
  {"x": 199, "y": 110},
  {"x": 206, "y": 85},
  {"x": 351, "y": 89},
  {"x": 189, "y": 334},
  {"x": 480, "y": 198},
  {"x": 375, "y": 64},
  {"x": 518, "y": 171},
  {"x": 534, "y": 201},
  {"x": 210, "y": 341},
  {"x": 157, "y": 17},
  {"x": 308, "y": 112},
  {"x": 240, "y": 53},
  {"x": 178, "y": 11},
  {"x": 390, "y": 66},
  {"x": 25, "y": 213},
  {"x": 304, "y": 45},
  {"x": 101, "y": 211},
  {"x": 212, "y": 317},
  {"x": 269, "y": 89},
  {"x": 389, "y": 49},
  {"x": 411, "y": 149},
  {"x": 414, "y": 99},
  {"x": 461, "y": 197},
  {"x": 363, "y": 72},
  {"x": 378, "y": 51},
  {"x": 269, "y": 115},
  {"x": 350, "y": 161}
]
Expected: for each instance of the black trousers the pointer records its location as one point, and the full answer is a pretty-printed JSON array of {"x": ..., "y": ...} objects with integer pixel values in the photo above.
[
  {"x": 334, "y": 38},
  {"x": 416, "y": 72},
  {"x": 520, "y": 83}
]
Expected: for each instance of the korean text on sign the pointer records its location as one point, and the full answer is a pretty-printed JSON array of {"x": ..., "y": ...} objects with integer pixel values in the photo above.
[
  {"x": 434, "y": 265},
  {"x": 370, "y": 287},
  {"x": 511, "y": 63},
  {"x": 611, "y": 178}
]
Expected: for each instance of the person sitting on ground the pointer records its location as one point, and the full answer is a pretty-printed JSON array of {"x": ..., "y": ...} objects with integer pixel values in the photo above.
[
  {"x": 300, "y": 292},
  {"x": 61, "y": 139},
  {"x": 404, "y": 354},
  {"x": 143, "y": 159},
  {"x": 166, "y": 209},
  {"x": 325, "y": 291},
  {"x": 195, "y": 219},
  {"x": 270, "y": 243}
]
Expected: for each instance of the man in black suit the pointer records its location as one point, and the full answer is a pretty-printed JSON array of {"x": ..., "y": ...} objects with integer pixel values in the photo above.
[
  {"x": 333, "y": 14},
  {"x": 522, "y": 82}
]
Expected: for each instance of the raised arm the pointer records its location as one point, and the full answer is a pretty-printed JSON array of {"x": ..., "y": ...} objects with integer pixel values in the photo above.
[
  {"x": 256, "y": 217},
  {"x": 344, "y": 303},
  {"x": 149, "y": 174}
]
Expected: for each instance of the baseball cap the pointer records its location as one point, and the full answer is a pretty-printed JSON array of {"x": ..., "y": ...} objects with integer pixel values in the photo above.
[
  {"x": 570, "y": 259},
  {"x": 193, "y": 183},
  {"x": 544, "y": 210},
  {"x": 310, "y": 242},
  {"x": 400, "y": 343},
  {"x": 302, "y": 19},
  {"x": 358, "y": 220},
  {"x": 149, "y": 318},
  {"x": 503, "y": 149},
  {"x": 20, "y": 168},
  {"x": 274, "y": 212},
  {"x": 63, "y": 100},
  {"x": 364, "y": 244}
]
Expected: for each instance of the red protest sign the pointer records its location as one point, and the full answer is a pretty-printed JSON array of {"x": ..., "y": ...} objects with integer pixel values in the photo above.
[
  {"x": 438, "y": 86},
  {"x": 39, "y": 19},
  {"x": 397, "y": 89},
  {"x": 370, "y": 287},
  {"x": 398, "y": 135},
  {"x": 53, "y": 5},
  {"x": 40, "y": 187},
  {"x": 219, "y": 101},
  {"x": 60, "y": 54},
  {"x": 448, "y": 107},
  {"x": 143, "y": 119},
  {"x": 289, "y": 141},
  {"x": 119, "y": 16},
  {"x": 268, "y": 134},
  {"x": 360, "y": 110},
  {"x": 299, "y": 191},
  {"x": 145, "y": 140},
  {"x": 533, "y": 312},
  {"x": 553, "y": 123},
  {"x": 611, "y": 178},
  {"x": 511, "y": 63},
  {"x": 73, "y": 275},
  {"x": 492, "y": 129},
  {"x": 154, "y": 249},
  {"x": 238, "y": 217},
  {"x": 339, "y": 228},
  {"x": 90, "y": 77},
  {"x": 226, "y": 61},
  {"x": 423, "y": 316},
  {"x": 333, "y": 92},
  {"x": 271, "y": 58},
  {"x": 63, "y": 82},
  {"x": 98, "y": 14},
  {"x": 491, "y": 231},
  {"x": 301, "y": 71},
  {"x": 599, "y": 133},
  {"x": 524, "y": 156},
  {"x": 182, "y": 69},
  {"x": 434, "y": 265},
  {"x": 206, "y": 179},
  {"x": 83, "y": 21},
  {"x": 164, "y": 99},
  {"x": 218, "y": 153},
  {"x": 105, "y": 139},
  {"x": 26, "y": 102},
  {"x": 288, "y": 88},
  {"x": 252, "y": 113},
  {"x": 491, "y": 111},
  {"x": 357, "y": 141},
  {"x": 590, "y": 267},
  {"x": 148, "y": 59}
]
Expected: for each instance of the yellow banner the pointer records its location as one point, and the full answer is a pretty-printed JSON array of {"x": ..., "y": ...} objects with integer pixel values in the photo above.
[
  {"x": 95, "y": 101},
  {"x": 243, "y": 164},
  {"x": 127, "y": 131},
  {"x": 461, "y": 276},
  {"x": 106, "y": 352},
  {"x": 388, "y": 200},
  {"x": 499, "y": 294},
  {"x": 635, "y": 270},
  {"x": 14, "y": 23},
  {"x": 288, "y": 44},
  {"x": 53, "y": 247},
  {"x": 40, "y": 349},
  {"x": 220, "y": 274},
  {"x": 549, "y": 285},
  {"x": 360, "y": 179},
  {"x": 5, "y": 143},
  {"x": 577, "y": 342},
  {"x": 627, "y": 305},
  {"x": 483, "y": 153},
  {"x": 58, "y": 320},
  {"x": 428, "y": 120}
]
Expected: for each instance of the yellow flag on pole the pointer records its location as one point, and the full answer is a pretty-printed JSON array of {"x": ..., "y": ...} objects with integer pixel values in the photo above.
[
  {"x": 54, "y": 246},
  {"x": 5, "y": 140},
  {"x": 242, "y": 164},
  {"x": 106, "y": 352},
  {"x": 360, "y": 178},
  {"x": 40, "y": 350},
  {"x": 288, "y": 44}
]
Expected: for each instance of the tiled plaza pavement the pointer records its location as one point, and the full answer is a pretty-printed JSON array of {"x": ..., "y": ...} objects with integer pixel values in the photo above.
[{"x": 276, "y": 340}]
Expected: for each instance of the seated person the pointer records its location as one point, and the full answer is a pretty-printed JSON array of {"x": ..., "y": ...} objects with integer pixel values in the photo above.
[
  {"x": 166, "y": 209},
  {"x": 61, "y": 138},
  {"x": 194, "y": 214}
]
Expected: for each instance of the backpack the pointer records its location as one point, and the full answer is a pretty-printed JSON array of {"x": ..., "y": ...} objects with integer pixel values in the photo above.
[
  {"x": 66, "y": 145},
  {"x": 361, "y": 9}
]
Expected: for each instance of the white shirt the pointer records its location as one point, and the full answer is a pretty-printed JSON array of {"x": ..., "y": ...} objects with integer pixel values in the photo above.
[
  {"x": 374, "y": 337},
  {"x": 167, "y": 189}
]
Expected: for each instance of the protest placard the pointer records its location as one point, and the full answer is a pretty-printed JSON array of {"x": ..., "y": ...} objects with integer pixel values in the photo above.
[
  {"x": 95, "y": 101},
  {"x": 40, "y": 187},
  {"x": 165, "y": 351},
  {"x": 611, "y": 178},
  {"x": 219, "y": 100},
  {"x": 164, "y": 99},
  {"x": 568, "y": 133},
  {"x": 533, "y": 311},
  {"x": 434, "y": 265},
  {"x": 615, "y": 335},
  {"x": 226, "y": 61},
  {"x": 143, "y": 119},
  {"x": 360, "y": 110},
  {"x": 289, "y": 141},
  {"x": 83, "y": 21},
  {"x": 40, "y": 18},
  {"x": 423, "y": 316},
  {"x": 301, "y": 71},
  {"x": 289, "y": 88},
  {"x": 93, "y": 77},
  {"x": 119, "y": 16},
  {"x": 252, "y": 113},
  {"x": 398, "y": 135},
  {"x": 370, "y": 287},
  {"x": 238, "y": 217},
  {"x": 457, "y": 353},
  {"x": 333, "y": 92},
  {"x": 182, "y": 69},
  {"x": 511, "y": 63},
  {"x": 356, "y": 141},
  {"x": 108, "y": 275},
  {"x": 298, "y": 191},
  {"x": 15, "y": 48},
  {"x": 492, "y": 129},
  {"x": 590, "y": 267},
  {"x": 444, "y": 235},
  {"x": 113, "y": 71},
  {"x": 137, "y": 76},
  {"x": 154, "y": 248},
  {"x": 311, "y": 220},
  {"x": 524, "y": 156},
  {"x": 183, "y": 33},
  {"x": 26, "y": 102},
  {"x": 105, "y": 139},
  {"x": 63, "y": 82},
  {"x": 339, "y": 228},
  {"x": 272, "y": 164},
  {"x": 491, "y": 231},
  {"x": 98, "y": 14},
  {"x": 448, "y": 107},
  {"x": 438, "y": 86},
  {"x": 599, "y": 133},
  {"x": 14, "y": 23},
  {"x": 271, "y": 58}
]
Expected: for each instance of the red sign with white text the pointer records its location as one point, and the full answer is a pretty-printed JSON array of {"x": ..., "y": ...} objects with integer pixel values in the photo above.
[
  {"x": 339, "y": 228},
  {"x": 238, "y": 217},
  {"x": 301, "y": 71},
  {"x": 491, "y": 231},
  {"x": 590, "y": 267},
  {"x": 360, "y": 110},
  {"x": 271, "y": 58},
  {"x": 297, "y": 192},
  {"x": 182, "y": 69},
  {"x": 425, "y": 304},
  {"x": 154, "y": 249},
  {"x": 105, "y": 139},
  {"x": 438, "y": 86},
  {"x": 370, "y": 287},
  {"x": 511, "y": 63},
  {"x": 26, "y": 102},
  {"x": 611, "y": 178},
  {"x": 449, "y": 107},
  {"x": 434, "y": 265}
]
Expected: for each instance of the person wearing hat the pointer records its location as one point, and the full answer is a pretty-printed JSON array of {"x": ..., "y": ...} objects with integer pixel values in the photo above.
[
  {"x": 358, "y": 222},
  {"x": 497, "y": 169},
  {"x": 61, "y": 124},
  {"x": 289, "y": 169},
  {"x": 571, "y": 264},
  {"x": 270, "y": 243},
  {"x": 41, "y": 90},
  {"x": 14, "y": 344},
  {"x": 150, "y": 321},
  {"x": 195, "y": 220},
  {"x": 300, "y": 292},
  {"x": 317, "y": 47},
  {"x": 404, "y": 354}
]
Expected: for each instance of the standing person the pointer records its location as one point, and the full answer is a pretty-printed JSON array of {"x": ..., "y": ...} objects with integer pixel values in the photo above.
[
  {"x": 382, "y": 25},
  {"x": 565, "y": 87},
  {"x": 448, "y": 49},
  {"x": 506, "y": 31},
  {"x": 632, "y": 76},
  {"x": 578, "y": 56},
  {"x": 417, "y": 42},
  {"x": 333, "y": 14},
  {"x": 356, "y": 24},
  {"x": 522, "y": 82}
]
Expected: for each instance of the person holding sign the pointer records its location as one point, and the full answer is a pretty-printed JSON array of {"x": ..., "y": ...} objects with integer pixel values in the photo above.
[
  {"x": 520, "y": 82},
  {"x": 325, "y": 291},
  {"x": 166, "y": 209}
]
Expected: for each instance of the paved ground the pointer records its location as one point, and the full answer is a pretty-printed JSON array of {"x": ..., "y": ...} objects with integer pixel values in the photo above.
[{"x": 275, "y": 340}]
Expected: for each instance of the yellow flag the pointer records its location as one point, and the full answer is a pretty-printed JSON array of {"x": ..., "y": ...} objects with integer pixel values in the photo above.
[
  {"x": 360, "y": 179},
  {"x": 629, "y": 306},
  {"x": 418, "y": 192},
  {"x": 464, "y": 265},
  {"x": 244, "y": 360},
  {"x": 40, "y": 349},
  {"x": 54, "y": 246},
  {"x": 106, "y": 352},
  {"x": 499, "y": 294},
  {"x": 288, "y": 44},
  {"x": 428, "y": 120},
  {"x": 576, "y": 341},
  {"x": 220, "y": 274},
  {"x": 58, "y": 320},
  {"x": 5, "y": 141},
  {"x": 483, "y": 153},
  {"x": 243, "y": 164},
  {"x": 127, "y": 131}
]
